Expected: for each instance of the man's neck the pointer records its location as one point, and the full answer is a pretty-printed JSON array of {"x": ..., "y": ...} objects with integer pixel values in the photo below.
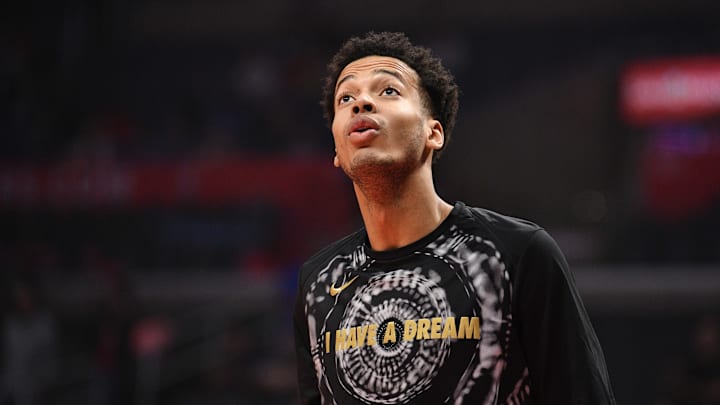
[{"x": 398, "y": 214}]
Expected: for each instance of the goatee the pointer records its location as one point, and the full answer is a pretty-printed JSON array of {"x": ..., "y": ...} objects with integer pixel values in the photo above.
[{"x": 380, "y": 177}]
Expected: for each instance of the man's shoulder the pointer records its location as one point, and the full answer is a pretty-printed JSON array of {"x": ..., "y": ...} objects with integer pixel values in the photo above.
[
  {"x": 510, "y": 234},
  {"x": 502, "y": 224},
  {"x": 343, "y": 246}
]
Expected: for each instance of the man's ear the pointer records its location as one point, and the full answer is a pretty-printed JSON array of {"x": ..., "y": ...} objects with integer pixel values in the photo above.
[
  {"x": 336, "y": 162},
  {"x": 436, "y": 137}
]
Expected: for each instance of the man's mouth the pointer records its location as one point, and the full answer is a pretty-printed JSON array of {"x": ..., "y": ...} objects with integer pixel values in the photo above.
[
  {"x": 363, "y": 131},
  {"x": 363, "y": 125}
]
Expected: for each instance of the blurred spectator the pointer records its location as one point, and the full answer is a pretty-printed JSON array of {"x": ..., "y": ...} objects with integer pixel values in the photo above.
[
  {"x": 696, "y": 379},
  {"x": 29, "y": 348},
  {"x": 113, "y": 379},
  {"x": 151, "y": 336},
  {"x": 105, "y": 137}
]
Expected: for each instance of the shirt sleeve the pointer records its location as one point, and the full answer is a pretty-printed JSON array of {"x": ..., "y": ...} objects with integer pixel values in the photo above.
[
  {"x": 307, "y": 380},
  {"x": 565, "y": 361}
]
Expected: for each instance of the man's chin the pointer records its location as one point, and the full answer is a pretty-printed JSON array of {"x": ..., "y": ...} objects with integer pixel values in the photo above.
[
  {"x": 368, "y": 160},
  {"x": 374, "y": 166}
]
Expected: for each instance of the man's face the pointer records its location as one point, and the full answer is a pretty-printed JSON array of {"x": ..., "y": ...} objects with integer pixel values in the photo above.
[{"x": 380, "y": 119}]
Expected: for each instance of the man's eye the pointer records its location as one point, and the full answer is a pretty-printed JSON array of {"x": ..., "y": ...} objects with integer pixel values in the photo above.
[
  {"x": 344, "y": 99},
  {"x": 389, "y": 91}
]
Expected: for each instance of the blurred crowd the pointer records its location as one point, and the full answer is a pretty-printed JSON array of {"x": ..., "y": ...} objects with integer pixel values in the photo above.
[
  {"x": 121, "y": 352},
  {"x": 71, "y": 96}
]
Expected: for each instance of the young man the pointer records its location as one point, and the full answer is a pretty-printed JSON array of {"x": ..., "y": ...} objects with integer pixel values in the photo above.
[{"x": 430, "y": 302}]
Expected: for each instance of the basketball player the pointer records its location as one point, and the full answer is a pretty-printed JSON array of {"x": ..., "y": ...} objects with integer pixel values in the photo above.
[{"x": 431, "y": 302}]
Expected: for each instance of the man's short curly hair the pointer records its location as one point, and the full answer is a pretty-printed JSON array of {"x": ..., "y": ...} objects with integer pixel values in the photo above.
[{"x": 441, "y": 91}]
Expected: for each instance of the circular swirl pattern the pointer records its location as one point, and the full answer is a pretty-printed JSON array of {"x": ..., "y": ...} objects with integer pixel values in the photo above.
[{"x": 393, "y": 371}]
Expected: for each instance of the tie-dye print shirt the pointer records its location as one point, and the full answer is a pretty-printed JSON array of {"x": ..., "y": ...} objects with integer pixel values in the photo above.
[{"x": 483, "y": 310}]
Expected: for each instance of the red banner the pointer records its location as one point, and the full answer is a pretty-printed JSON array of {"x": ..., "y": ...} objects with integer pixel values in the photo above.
[
  {"x": 197, "y": 182},
  {"x": 671, "y": 90}
]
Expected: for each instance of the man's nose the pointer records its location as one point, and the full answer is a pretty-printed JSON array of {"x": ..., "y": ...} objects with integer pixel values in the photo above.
[{"x": 364, "y": 105}]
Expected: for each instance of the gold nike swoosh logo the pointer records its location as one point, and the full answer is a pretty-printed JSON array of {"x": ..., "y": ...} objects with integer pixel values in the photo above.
[{"x": 335, "y": 291}]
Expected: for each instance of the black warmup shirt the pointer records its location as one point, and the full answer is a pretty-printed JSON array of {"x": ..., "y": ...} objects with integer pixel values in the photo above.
[{"x": 483, "y": 310}]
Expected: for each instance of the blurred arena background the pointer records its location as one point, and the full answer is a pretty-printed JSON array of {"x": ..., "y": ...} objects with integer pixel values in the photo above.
[{"x": 165, "y": 169}]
